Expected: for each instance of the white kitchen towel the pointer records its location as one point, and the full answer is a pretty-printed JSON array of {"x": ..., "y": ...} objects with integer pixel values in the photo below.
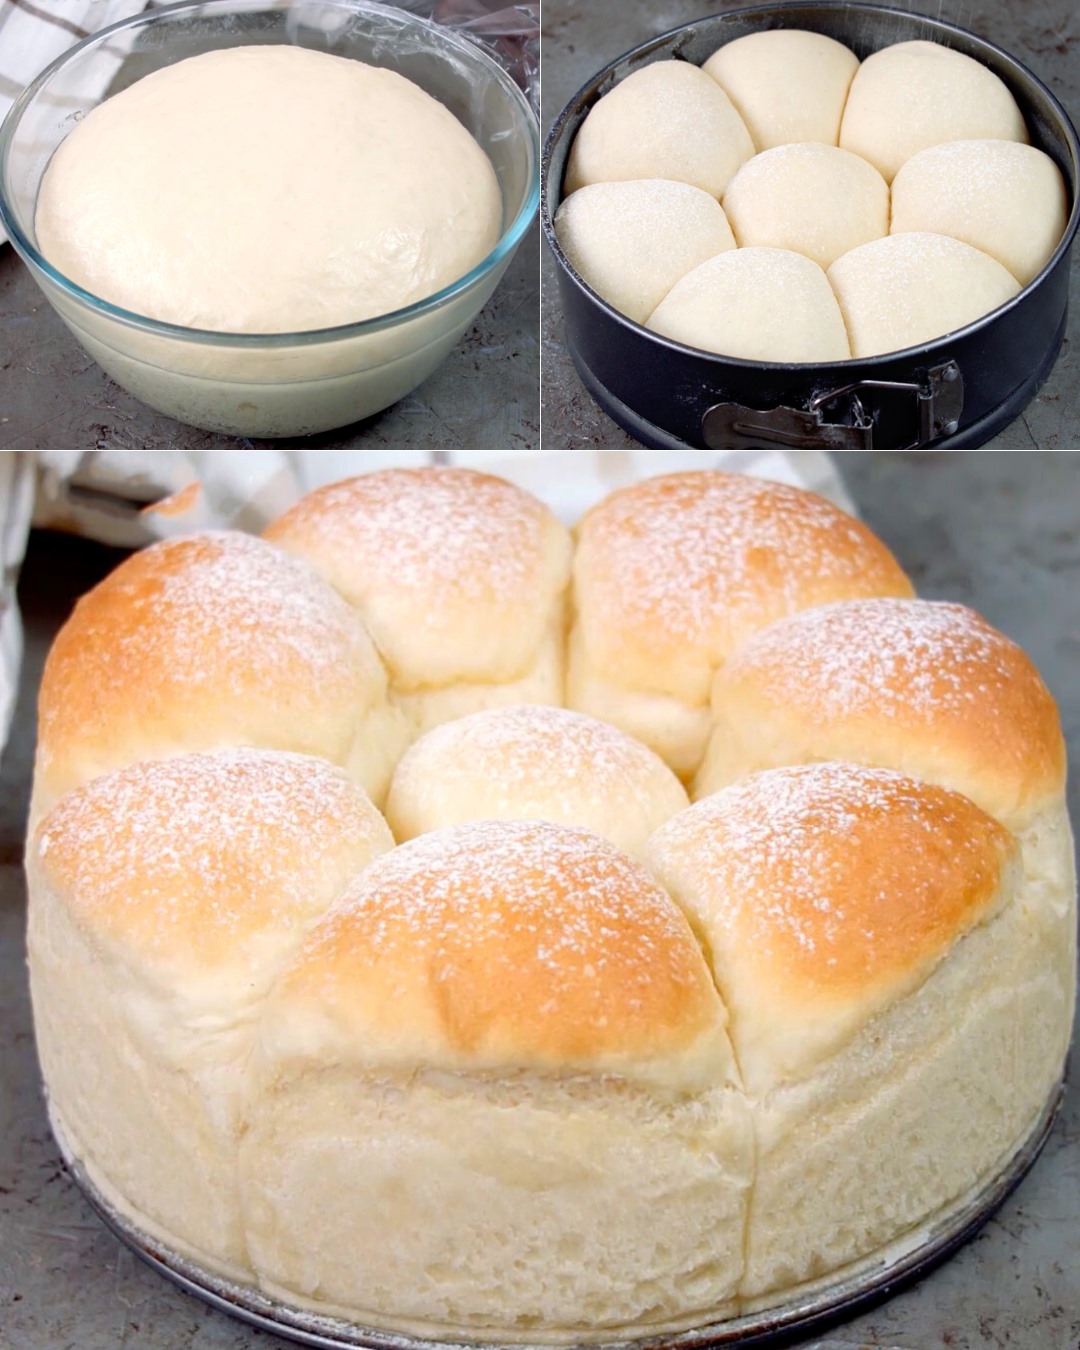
[
  {"x": 16, "y": 500},
  {"x": 33, "y": 33},
  {"x": 129, "y": 497}
]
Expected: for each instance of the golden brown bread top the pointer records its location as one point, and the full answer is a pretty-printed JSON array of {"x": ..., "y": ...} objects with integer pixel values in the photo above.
[
  {"x": 924, "y": 687},
  {"x": 533, "y": 762},
  {"x": 824, "y": 893},
  {"x": 673, "y": 574},
  {"x": 202, "y": 863},
  {"x": 205, "y": 640},
  {"x": 503, "y": 945},
  {"x": 457, "y": 574}
]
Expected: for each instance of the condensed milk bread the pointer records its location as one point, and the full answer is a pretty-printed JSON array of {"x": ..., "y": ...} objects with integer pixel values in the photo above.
[{"x": 427, "y": 1002}]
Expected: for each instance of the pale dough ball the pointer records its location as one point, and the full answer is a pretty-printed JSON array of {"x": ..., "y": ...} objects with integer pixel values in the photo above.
[
  {"x": 915, "y": 94},
  {"x": 761, "y": 304},
  {"x": 268, "y": 189},
  {"x": 1007, "y": 199},
  {"x": 788, "y": 85},
  {"x": 534, "y": 763},
  {"x": 815, "y": 199},
  {"x": 667, "y": 120},
  {"x": 633, "y": 241},
  {"x": 908, "y": 289}
]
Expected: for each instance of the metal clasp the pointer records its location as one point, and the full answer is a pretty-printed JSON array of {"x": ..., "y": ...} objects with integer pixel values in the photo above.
[{"x": 928, "y": 410}]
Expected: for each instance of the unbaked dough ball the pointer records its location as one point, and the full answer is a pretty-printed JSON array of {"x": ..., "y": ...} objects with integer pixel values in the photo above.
[
  {"x": 815, "y": 199},
  {"x": 633, "y": 241},
  {"x": 534, "y": 763},
  {"x": 788, "y": 85},
  {"x": 908, "y": 289},
  {"x": 268, "y": 189},
  {"x": 761, "y": 304},
  {"x": 1007, "y": 199},
  {"x": 666, "y": 120},
  {"x": 915, "y": 94}
]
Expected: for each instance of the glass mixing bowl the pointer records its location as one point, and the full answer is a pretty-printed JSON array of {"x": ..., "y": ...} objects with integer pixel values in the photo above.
[{"x": 280, "y": 384}]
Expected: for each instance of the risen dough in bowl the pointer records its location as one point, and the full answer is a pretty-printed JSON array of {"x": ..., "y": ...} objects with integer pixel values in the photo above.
[{"x": 267, "y": 190}]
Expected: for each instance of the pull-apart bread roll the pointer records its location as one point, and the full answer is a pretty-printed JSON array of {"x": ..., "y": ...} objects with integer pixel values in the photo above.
[
  {"x": 458, "y": 576},
  {"x": 927, "y": 688},
  {"x": 674, "y": 574},
  {"x": 211, "y": 640},
  {"x": 494, "y": 1095},
  {"x": 924, "y": 687},
  {"x": 167, "y": 896},
  {"x": 535, "y": 763},
  {"x": 895, "y": 1030}
]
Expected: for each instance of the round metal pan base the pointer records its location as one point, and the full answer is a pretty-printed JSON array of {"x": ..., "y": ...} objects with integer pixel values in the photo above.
[
  {"x": 868, "y": 1283},
  {"x": 970, "y": 438}
]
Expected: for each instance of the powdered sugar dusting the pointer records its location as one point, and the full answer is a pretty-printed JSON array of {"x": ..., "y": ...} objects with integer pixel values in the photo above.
[
  {"x": 851, "y": 866},
  {"x": 540, "y": 748},
  {"x": 192, "y": 855},
  {"x": 701, "y": 559},
  {"x": 219, "y": 608},
  {"x": 514, "y": 938},
  {"x": 895, "y": 658},
  {"x": 435, "y": 533},
  {"x": 573, "y": 890}
]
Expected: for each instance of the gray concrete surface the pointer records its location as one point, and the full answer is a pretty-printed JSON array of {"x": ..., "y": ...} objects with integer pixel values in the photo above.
[
  {"x": 997, "y": 531},
  {"x": 581, "y": 36},
  {"x": 484, "y": 396}
]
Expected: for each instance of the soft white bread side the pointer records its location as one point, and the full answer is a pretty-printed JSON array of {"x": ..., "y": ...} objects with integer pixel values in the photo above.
[
  {"x": 494, "y": 1094},
  {"x": 211, "y": 640},
  {"x": 896, "y": 1005},
  {"x": 673, "y": 574},
  {"x": 536, "y": 763},
  {"x": 459, "y": 577},
  {"x": 165, "y": 898}
]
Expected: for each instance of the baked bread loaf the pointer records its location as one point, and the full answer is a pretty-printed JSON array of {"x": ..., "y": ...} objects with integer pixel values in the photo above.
[{"x": 552, "y": 1056}]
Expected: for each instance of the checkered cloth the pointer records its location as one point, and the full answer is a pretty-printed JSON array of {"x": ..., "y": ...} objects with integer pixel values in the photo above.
[{"x": 35, "y": 32}]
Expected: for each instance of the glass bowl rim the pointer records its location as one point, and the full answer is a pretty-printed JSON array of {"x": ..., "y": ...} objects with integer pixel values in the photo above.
[{"x": 507, "y": 242}]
